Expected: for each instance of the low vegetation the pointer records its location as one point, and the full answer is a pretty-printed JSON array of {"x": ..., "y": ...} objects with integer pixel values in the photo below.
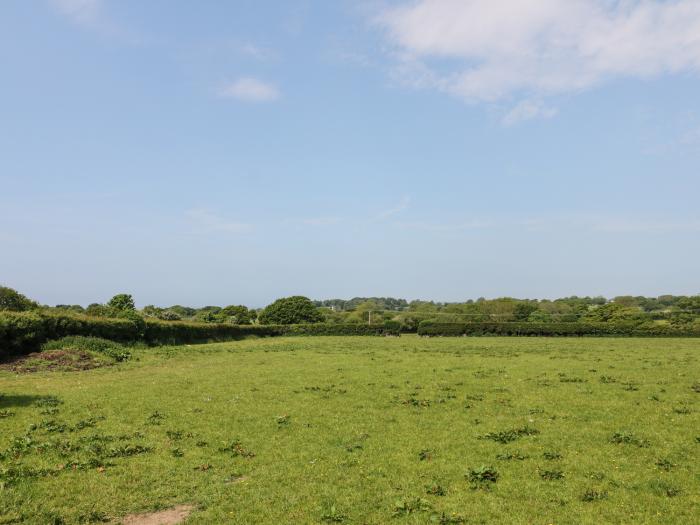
[{"x": 358, "y": 430}]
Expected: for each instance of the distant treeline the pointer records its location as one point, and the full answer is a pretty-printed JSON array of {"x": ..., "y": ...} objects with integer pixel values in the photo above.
[
  {"x": 293, "y": 310},
  {"x": 663, "y": 315}
]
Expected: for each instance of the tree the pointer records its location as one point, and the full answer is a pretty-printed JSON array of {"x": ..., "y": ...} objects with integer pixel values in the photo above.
[
  {"x": 122, "y": 302},
  {"x": 291, "y": 310},
  {"x": 236, "y": 314},
  {"x": 97, "y": 310},
  {"x": 522, "y": 311},
  {"x": 14, "y": 301}
]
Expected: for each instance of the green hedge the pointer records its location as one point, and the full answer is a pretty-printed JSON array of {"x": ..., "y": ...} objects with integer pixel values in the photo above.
[
  {"x": 387, "y": 328},
  {"x": 25, "y": 332},
  {"x": 178, "y": 332},
  {"x": 432, "y": 328}
]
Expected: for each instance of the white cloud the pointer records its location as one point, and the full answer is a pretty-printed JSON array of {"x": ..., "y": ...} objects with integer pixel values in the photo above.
[
  {"x": 250, "y": 89},
  {"x": 205, "y": 221},
  {"x": 84, "y": 12},
  {"x": 486, "y": 50}
]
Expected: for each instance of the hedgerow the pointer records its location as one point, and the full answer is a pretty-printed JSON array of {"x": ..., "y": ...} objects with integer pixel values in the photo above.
[
  {"x": 22, "y": 332},
  {"x": 432, "y": 328}
]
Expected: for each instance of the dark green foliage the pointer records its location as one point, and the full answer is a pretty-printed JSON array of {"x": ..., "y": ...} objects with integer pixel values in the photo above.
[
  {"x": 551, "y": 475},
  {"x": 551, "y": 455},
  {"x": 594, "y": 495},
  {"x": 23, "y": 332},
  {"x": 237, "y": 315},
  {"x": 122, "y": 302},
  {"x": 506, "y": 436},
  {"x": 291, "y": 310},
  {"x": 13, "y": 301},
  {"x": 510, "y": 456},
  {"x": 628, "y": 438},
  {"x": 432, "y": 328},
  {"x": 483, "y": 474}
]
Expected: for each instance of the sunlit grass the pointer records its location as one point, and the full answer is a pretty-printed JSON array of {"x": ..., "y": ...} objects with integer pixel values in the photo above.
[{"x": 362, "y": 430}]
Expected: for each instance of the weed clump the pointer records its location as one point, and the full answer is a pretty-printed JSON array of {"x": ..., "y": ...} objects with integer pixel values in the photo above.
[
  {"x": 483, "y": 475},
  {"x": 664, "y": 464},
  {"x": 405, "y": 507},
  {"x": 425, "y": 455},
  {"x": 506, "y": 436},
  {"x": 512, "y": 455},
  {"x": 549, "y": 455},
  {"x": 333, "y": 515},
  {"x": 435, "y": 489},
  {"x": 594, "y": 495},
  {"x": 551, "y": 475},
  {"x": 236, "y": 449},
  {"x": 628, "y": 438}
]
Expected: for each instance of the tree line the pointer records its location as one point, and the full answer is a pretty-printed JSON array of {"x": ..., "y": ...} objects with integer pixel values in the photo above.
[{"x": 665, "y": 309}]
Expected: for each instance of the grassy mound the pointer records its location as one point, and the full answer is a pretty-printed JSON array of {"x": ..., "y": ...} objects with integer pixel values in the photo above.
[{"x": 113, "y": 350}]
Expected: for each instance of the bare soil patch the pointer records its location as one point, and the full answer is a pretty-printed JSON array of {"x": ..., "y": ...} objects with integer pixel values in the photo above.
[
  {"x": 65, "y": 360},
  {"x": 162, "y": 517}
]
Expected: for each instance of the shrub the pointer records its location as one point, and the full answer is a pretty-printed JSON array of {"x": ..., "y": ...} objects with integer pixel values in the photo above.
[
  {"x": 291, "y": 310},
  {"x": 22, "y": 332},
  {"x": 237, "y": 314},
  {"x": 168, "y": 315},
  {"x": 90, "y": 344}
]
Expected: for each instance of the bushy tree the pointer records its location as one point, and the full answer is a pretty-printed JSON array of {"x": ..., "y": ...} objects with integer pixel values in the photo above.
[
  {"x": 97, "y": 310},
  {"x": 14, "y": 301},
  {"x": 169, "y": 315},
  {"x": 523, "y": 310},
  {"x": 122, "y": 302},
  {"x": 236, "y": 314},
  {"x": 291, "y": 310}
]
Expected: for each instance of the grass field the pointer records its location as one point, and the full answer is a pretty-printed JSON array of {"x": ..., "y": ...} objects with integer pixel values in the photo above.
[{"x": 362, "y": 430}]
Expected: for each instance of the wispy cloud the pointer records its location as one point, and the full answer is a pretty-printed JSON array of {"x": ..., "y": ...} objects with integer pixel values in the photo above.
[
  {"x": 255, "y": 51},
  {"x": 526, "y": 110},
  {"x": 321, "y": 221},
  {"x": 486, "y": 51},
  {"x": 249, "y": 89},
  {"x": 476, "y": 224},
  {"x": 402, "y": 205},
  {"x": 591, "y": 223},
  {"x": 83, "y": 12},
  {"x": 206, "y": 221}
]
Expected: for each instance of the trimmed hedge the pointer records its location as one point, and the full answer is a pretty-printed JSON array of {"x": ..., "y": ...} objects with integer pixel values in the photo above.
[
  {"x": 388, "y": 328},
  {"x": 25, "y": 332},
  {"x": 432, "y": 328}
]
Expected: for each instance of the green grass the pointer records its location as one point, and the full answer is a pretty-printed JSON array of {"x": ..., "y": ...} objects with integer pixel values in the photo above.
[{"x": 362, "y": 430}]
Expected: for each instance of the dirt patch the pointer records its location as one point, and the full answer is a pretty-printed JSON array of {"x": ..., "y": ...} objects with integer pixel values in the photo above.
[
  {"x": 65, "y": 360},
  {"x": 162, "y": 517}
]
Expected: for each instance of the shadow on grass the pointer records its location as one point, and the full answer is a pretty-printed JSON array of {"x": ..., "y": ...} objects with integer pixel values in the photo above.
[{"x": 20, "y": 400}]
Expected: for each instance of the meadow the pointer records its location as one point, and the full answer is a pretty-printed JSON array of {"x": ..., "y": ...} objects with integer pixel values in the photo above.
[{"x": 366, "y": 430}]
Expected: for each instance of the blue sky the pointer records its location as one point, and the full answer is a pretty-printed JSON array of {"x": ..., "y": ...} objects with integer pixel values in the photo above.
[{"x": 236, "y": 152}]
